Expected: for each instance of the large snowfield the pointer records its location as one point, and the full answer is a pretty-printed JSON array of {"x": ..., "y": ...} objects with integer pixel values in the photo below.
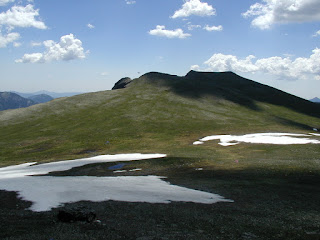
[{"x": 47, "y": 192}]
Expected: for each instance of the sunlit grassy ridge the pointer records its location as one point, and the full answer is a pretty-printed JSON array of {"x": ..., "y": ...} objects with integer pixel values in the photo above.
[{"x": 155, "y": 113}]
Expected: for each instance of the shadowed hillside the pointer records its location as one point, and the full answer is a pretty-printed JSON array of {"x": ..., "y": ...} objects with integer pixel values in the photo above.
[{"x": 234, "y": 88}]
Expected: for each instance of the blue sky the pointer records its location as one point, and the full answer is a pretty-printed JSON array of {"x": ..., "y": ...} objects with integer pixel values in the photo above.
[{"x": 85, "y": 46}]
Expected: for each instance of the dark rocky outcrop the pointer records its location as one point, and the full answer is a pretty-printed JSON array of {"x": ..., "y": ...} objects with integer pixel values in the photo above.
[{"x": 122, "y": 83}]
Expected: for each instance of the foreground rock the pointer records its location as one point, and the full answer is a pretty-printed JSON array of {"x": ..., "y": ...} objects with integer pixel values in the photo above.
[{"x": 76, "y": 215}]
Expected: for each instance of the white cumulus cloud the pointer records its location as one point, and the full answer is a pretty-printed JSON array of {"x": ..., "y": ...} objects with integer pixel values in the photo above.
[
  {"x": 282, "y": 68},
  {"x": 162, "y": 32},
  {"x": 69, "y": 48},
  {"x": 129, "y": 2},
  {"x": 194, "y": 7},
  {"x": 195, "y": 67},
  {"x": 19, "y": 16},
  {"x": 89, "y": 25},
  {"x": 221, "y": 62},
  {"x": 316, "y": 34},
  {"x": 17, "y": 44},
  {"x": 213, "y": 28},
  {"x": 5, "y": 2},
  {"x": 269, "y": 12},
  {"x": 193, "y": 26},
  {"x": 9, "y": 38}
]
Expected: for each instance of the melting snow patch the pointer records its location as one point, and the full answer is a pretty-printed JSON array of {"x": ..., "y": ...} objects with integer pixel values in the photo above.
[
  {"x": 197, "y": 143},
  {"x": 119, "y": 171},
  {"x": 47, "y": 192},
  {"x": 315, "y": 134},
  {"x": 134, "y": 170},
  {"x": 262, "y": 138}
]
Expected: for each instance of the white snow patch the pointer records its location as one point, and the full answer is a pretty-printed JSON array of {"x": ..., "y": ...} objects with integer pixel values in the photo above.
[
  {"x": 119, "y": 171},
  {"x": 262, "y": 138},
  {"x": 24, "y": 170},
  {"x": 135, "y": 170},
  {"x": 315, "y": 134},
  {"x": 47, "y": 192},
  {"x": 197, "y": 143}
]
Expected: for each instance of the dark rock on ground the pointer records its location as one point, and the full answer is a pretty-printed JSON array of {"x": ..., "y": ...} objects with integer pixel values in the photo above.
[{"x": 76, "y": 214}]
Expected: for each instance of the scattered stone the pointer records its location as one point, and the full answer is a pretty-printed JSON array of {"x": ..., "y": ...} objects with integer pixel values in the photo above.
[
  {"x": 76, "y": 214},
  {"x": 248, "y": 236},
  {"x": 315, "y": 235}
]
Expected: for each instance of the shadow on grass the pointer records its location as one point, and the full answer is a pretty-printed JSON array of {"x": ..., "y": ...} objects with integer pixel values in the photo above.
[
  {"x": 288, "y": 122},
  {"x": 231, "y": 87}
]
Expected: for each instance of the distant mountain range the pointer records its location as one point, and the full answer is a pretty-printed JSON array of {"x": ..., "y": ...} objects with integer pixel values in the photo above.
[
  {"x": 13, "y": 100},
  {"x": 52, "y": 94},
  {"x": 316, "y": 100},
  {"x": 41, "y": 98},
  {"x": 9, "y": 100}
]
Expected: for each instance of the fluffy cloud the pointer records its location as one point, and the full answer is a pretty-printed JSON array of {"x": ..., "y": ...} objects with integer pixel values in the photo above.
[
  {"x": 194, "y": 7},
  {"x": 5, "y": 2},
  {"x": 193, "y": 26},
  {"x": 316, "y": 34},
  {"x": 90, "y": 26},
  {"x": 162, "y": 32},
  {"x": 213, "y": 28},
  {"x": 269, "y": 12},
  {"x": 130, "y": 2},
  {"x": 9, "y": 38},
  {"x": 17, "y": 44},
  {"x": 284, "y": 68},
  {"x": 69, "y": 48},
  {"x": 221, "y": 62},
  {"x": 19, "y": 16}
]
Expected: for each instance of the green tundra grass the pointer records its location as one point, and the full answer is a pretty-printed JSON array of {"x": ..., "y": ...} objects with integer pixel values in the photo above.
[{"x": 275, "y": 187}]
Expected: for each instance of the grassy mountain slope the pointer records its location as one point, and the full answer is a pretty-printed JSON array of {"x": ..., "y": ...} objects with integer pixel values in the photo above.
[{"x": 155, "y": 113}]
